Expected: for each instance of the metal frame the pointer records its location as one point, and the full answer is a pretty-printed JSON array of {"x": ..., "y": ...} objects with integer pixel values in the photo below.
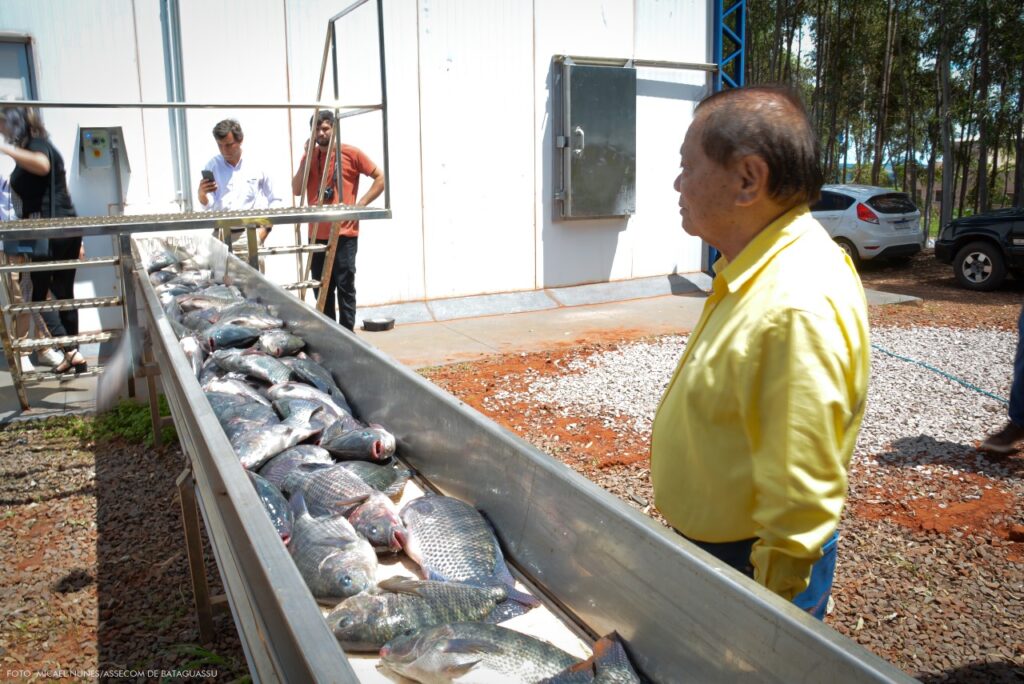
[
  {"x": 725, "y": 12},
  {"x": 282, "y": 630},
  {"x": 720, "y": 79}
]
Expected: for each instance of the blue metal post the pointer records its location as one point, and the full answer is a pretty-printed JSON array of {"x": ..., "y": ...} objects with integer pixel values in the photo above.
[{"x": 729, "y": 52}]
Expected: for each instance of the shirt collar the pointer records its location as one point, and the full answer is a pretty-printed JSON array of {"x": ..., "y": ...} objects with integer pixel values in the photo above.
[
  {"x": 776, "y": 236},
  {"x": 229, "y": 165}
]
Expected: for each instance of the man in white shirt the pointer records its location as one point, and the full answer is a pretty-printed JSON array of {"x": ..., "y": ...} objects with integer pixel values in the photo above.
[{"x": 235, "y": 186}]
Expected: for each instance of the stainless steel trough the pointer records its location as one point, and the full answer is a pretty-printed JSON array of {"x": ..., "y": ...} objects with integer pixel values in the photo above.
[{"x": 683, "y": 615}]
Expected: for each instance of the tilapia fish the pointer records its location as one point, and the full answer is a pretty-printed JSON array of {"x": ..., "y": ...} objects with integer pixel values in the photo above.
[
  {"x": 161, "y": 277},
  {"x": 228, "y": 335},
  {"x": 491, "y": 653},
  {"x": 298, "y": 390},
  {"x": 161, "y": 260},
  {"x": 332, "y": 490},
  {"x": 251, "y": 315},
  {"x": 276, "y": 469},
  {"x": 451, "y": 541},
  {"x": 252, "y": 363},
  {"x": 193, "y": 302},
  {"x": 258, "y": 445},
  {"x": 242, "y": 418},
  {"x": 275, "y": 505},
  {"x": 237, "y": 387},
  {"x": 368, "y": 621},
  {"x": 316, "y": 375},
  {"x": 193, "y": 353},
  {"x": 335, "y": 561},
  {"x": 389, "y": 479},
  {"x": 362, "y": 443},
  {"x": 608, "y": 665},
  {"x": 279, "y": 343}
]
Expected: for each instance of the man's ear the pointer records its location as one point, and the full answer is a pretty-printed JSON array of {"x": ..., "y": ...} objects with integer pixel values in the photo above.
[{"x": 753, "y": 176}]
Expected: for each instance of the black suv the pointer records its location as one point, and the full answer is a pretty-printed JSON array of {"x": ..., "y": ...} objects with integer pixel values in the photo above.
[{"x": 983, "y": 248}]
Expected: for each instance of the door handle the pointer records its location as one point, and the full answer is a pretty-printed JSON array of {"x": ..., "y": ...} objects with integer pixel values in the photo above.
[{"x": 578, "y": 131}]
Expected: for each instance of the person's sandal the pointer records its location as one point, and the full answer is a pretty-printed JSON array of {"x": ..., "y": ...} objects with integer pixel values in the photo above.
[
  {"x": 78, "y": 362},
  {"x": 72, "y": 360}
]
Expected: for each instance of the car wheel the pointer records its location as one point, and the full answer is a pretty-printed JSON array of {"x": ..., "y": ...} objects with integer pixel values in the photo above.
[
  {"x": 850, "y": 250},
  {"x": 980, "y": 266}
]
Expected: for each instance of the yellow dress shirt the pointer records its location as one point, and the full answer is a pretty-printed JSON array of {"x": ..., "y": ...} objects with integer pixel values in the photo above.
[{"x": 755, "y": 432}]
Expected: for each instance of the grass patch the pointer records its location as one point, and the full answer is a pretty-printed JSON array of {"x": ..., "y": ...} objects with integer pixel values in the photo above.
[{"x": 128, "y": 421}]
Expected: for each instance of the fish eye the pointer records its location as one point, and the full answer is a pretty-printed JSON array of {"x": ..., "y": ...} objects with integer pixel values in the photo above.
[
  {"x": 374, "y": 530},
  {"x": 345, "y": 621},
  {"x": 346, "y": 581}
]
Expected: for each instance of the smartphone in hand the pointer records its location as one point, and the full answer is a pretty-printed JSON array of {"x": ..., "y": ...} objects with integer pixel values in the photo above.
[{"x": 208, "y": 175}]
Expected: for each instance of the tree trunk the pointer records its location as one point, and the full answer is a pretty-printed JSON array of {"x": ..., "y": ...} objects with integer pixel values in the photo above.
[
  {"x": 883, "y": 97},
  {"x": 929, "y": 193},
  {"x": 984, "y": 79},
  {"x": 943, "y": 65}
]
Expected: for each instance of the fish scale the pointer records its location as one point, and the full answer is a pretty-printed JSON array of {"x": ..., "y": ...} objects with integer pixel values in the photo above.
[
  {"x": 451, "y": 541},
  {"x": 368, "y": 621},
  {"x": 436, "y": 653}
]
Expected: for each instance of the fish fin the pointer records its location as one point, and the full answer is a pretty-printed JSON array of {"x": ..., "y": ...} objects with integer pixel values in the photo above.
[
  {"x": 298, "y": 504},
  {"x": 402, "y": 585},
  {"x": 469, "y": 645},
  {"x": 455, "y": 671}
]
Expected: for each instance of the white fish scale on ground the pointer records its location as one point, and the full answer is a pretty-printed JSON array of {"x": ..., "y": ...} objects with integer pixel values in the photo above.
[{"x": 911, "y": 410}]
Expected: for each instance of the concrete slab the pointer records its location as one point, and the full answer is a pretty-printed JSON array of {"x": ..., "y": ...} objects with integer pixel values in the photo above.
[
  {"x": 469, "y": 339},
  {"x": 876, "y": 298},
  {"x": 638, "y": 288},
  {"x": 413, "y": 312},
  {"x": 490, "y": 305}
]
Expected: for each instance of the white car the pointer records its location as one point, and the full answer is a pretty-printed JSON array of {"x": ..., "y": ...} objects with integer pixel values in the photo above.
[{"x": 869, "y": 222}]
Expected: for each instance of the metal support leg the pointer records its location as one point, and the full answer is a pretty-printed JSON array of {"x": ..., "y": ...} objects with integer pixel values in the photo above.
[
  {"x": 196, "y": 562},
  {"x": 13, "y": 357},
  {"x": 129, "y": 311},
  {"x": 154, "y": 400},
  {"x": 252, "y": 247}
]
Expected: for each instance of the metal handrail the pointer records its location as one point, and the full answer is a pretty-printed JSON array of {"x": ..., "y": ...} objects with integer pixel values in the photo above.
[
  {"x": 30, "y": 229},
  {"x": 58, "y": 265}
]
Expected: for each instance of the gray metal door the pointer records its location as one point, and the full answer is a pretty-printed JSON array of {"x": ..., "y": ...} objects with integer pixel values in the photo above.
[{"x": 598, "y": 141}]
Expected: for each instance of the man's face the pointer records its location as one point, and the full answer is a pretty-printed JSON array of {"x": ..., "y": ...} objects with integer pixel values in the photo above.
[
  {"x": 230, "y": 148},
  {"x": 704, "y": 189},
  {"x": 323, "y": 133}
]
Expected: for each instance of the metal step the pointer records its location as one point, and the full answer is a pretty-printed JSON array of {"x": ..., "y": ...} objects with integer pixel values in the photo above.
[
  {"x": 36, "y": 377},
  {"x": 43, "y": 342},
  {"x": 301, "y": 284},
  {"x": 59, "y": 265},
  {"x": 270, "y": 251},
  {"x": 65, "y": 304}
]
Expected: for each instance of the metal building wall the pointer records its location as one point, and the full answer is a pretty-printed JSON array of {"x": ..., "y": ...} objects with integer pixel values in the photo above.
[{"x": 470, "y": 128}]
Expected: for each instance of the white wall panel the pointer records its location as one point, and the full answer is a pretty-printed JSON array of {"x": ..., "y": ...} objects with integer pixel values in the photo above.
[
  {"x": 650, "y": 242},
  {"x": 479, "y": 148},
  {"x": 234, "y": 51},
  {"x": 587, "y": 250}
]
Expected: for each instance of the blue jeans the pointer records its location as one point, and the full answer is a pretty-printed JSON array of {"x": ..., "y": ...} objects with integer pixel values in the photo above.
[
  {"x": 813, "y": 599},
  {"x": 1017, "y": 388}
]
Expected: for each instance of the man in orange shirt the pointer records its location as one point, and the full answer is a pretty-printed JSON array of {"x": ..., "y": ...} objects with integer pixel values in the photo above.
[{"x": 354, "y": 163}]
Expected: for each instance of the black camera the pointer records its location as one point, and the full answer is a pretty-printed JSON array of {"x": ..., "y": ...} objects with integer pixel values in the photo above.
[{"x": 328, "y": 194}]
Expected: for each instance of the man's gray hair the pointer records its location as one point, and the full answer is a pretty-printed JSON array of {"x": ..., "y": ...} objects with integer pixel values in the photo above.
[{"x": 221, "y": 130}]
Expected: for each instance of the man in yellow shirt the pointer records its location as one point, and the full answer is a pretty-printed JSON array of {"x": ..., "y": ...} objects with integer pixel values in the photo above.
[{"x": 753, "y": 437}]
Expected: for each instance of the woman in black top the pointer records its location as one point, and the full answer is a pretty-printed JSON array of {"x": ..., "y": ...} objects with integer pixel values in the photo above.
[{"x": 39, "y": 185}]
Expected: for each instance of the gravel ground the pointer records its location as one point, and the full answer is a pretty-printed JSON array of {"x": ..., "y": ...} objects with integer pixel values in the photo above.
[{"x": 95, "y": 582}]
